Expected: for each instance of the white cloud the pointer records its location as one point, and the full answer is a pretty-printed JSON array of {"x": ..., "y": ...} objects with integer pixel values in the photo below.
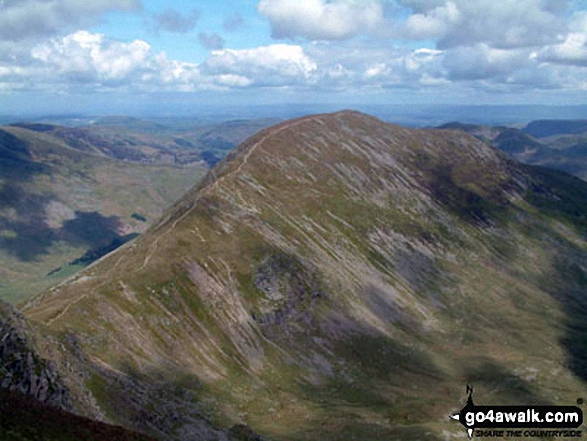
[
  {"x": 90, "y": 56},
  {"x": 500, "y": 24},
  {"x": 21, "y": 19},
  {"x": 277, "y": 64},
  {"x": 481, "y": 62},
  {"x": 91, "y": 62},
  {"x": 85, "y": 61},
  {"x": 321, "y": 19},
  {"x": 573, "y": 49},
  {"x": 436, "y": 22},
  {"x": 504, "y": 24}
]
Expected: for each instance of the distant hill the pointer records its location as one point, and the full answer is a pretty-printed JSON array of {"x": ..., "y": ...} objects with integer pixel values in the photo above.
[
  {"x": 179, "y": 142},
  {"x": 512, "y": 141},
  {"x": 69, "y": 195},
  {"x": 334, "y": 278},
  {"x": 551, "y": 127},
  {"x": 563, "y": 152},
  {"x": 58, "y": 204}
]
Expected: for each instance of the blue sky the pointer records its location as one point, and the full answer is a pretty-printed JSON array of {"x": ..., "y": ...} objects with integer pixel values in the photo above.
[{"x": 119, "y": 56}]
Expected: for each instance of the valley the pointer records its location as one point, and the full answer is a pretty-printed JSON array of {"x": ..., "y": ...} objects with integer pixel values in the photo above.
[{"x": 69, "y": 195}]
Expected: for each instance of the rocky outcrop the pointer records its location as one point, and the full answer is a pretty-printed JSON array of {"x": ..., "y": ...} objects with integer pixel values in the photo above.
[
  {"x": 289, "y": 293},
  {"x": 21, "y": 367}
]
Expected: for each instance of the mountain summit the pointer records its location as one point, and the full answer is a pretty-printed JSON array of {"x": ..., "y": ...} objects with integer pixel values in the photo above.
[{"x": 335, "y": 277}]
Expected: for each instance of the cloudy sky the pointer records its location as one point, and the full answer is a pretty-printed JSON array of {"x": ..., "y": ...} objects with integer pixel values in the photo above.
[{"x": 57, "y": 55}]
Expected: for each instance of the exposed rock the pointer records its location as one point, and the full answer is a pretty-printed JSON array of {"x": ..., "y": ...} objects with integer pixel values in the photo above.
[
  {"x": 290, "y": 293},
  {"x": 21, "y": 368}
]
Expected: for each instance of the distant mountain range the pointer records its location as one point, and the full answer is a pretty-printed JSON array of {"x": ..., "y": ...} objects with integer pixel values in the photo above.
[
  {"x": 558, "y": 144},
  {"x": 142, "y": 141},
  {"x": 334, "y": 277}
]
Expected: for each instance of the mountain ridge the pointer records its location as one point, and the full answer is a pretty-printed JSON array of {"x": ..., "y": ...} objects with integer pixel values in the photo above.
[{"x": 309, "y": 285}]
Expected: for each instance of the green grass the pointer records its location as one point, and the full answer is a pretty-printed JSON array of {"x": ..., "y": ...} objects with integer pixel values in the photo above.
[
  {"x": 450, "y": 274},
  {"x": 35, "y": 240}
]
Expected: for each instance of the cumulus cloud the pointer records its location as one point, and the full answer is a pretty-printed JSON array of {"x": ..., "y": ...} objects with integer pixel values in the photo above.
[
  {"x": 321, "y": 19},
  {"x": 22, "y": 19},
  {"x": 85, "y": 61},
  {"x": 500, "y": 24},
  {"x": 87, "y": 56},
  {"x": 211, "y": 41},
  {"x": 357, "y": 65},
  {"x": 174, "y": 21},
  {"x": 233, "y": 22},
  {"x": 92, "y": 62},
  {"x": 278, "y": 64},
  {"x": 435, "y": 23},
  {"x": 481, "y": 62},
  {"x": 505, "y": 24},
  {"x": 573, "y": 49}
]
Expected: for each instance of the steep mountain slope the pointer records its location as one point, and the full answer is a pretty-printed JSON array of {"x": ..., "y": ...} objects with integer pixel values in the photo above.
[
  {"x": 58, "y": 204},
  {"x": 336, "y": 277},
  {"x": 33, "y": 401}
]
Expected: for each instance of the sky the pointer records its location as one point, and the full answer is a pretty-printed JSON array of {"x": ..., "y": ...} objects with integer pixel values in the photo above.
[{"x": 125, "y": 56}]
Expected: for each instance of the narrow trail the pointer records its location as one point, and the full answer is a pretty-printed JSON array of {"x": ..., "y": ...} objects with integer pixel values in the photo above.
[
  {"x": 155, "y": 244},
  {"x": 153, "y": 247}
]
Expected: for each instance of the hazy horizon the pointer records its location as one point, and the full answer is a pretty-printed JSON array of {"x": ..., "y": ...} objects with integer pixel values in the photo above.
[{"x": 410, "y": 115}]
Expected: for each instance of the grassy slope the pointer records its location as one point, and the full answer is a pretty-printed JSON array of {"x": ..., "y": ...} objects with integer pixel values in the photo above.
[
  {"x": 48, "y": 183},
  {"x": 340, "y": 278}
]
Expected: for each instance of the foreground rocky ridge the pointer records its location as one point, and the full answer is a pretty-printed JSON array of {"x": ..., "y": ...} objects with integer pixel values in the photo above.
[
  {"x": 22, "y": 369},
  {"x": 335, "y": 277}
]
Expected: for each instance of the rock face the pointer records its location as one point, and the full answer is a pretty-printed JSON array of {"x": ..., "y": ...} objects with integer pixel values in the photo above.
[
  {"x": 336, "y": 277},
  {"x": 291, "y": 293},
  {"x": 21, "y": 367}
]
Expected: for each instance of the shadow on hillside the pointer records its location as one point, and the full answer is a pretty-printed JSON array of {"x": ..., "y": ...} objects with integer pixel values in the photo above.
[
  {"x": 569, "y": 287},
  {"x": 564, "y": 197},
  {"x": 505, "y": 386},
  {"x": 29, "y": 238},
  {"x": 24, "y": 232},
  {"x": 341, "y": 429},
  {"x": 90, "y": 229}
]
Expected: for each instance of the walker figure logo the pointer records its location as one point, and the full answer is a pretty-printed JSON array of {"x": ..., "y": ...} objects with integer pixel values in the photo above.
[{"x": 498, "y": 418}]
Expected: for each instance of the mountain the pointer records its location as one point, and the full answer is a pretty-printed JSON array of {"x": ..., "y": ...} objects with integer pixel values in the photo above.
[
  {"x": 334, "y": 277},
  {"x": 514, "y": 142},
  {"x": 34, "y": 405},
  {"x": 60, "y": 208},
  {"x": 552, "y": 127},
  {"x": 565, "y": 152},
  {"x": 174, "y": 141},
  {"x": 73, "y": 194}
]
